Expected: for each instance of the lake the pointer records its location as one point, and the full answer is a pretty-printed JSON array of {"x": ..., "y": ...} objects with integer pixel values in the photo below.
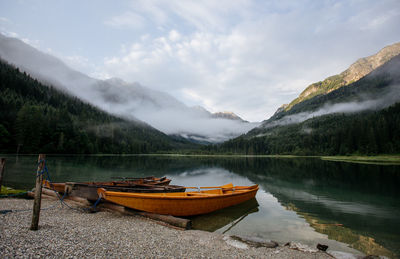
[{"x": 344, "y": 205}]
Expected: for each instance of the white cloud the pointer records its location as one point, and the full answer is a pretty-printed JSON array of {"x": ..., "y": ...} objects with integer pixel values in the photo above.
[
  {"x": 127, "y": 19},
  {"x": 245, "y": 56},
  {"x": 34, "y": 43},
  {"x": 10, "y": 34},
  {"x": 366, "y": 103},
  {"x": 174, "y": 35},
  {"x": 203, "y": 15},
  {"x": 250, "y": 57},
  {"x": 381, "y": 20},
  {"x": 79, "y": 63},
  {"x": 4, "y": 20}
]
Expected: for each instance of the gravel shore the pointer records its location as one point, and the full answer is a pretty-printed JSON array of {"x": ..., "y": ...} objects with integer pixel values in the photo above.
[{"x": 66, "y": 233}]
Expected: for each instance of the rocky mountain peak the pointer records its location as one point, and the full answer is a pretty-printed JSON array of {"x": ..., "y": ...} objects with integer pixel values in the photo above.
[
  {"x": 356, "y": 71},
  {"x": 227, "y": 115},
  {"x": 364, "y": 66}
]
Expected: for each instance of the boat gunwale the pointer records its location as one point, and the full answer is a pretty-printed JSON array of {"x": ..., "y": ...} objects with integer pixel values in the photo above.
[
  {"x": 155, "y": 181},
  {"x": 169, "y": 196}
]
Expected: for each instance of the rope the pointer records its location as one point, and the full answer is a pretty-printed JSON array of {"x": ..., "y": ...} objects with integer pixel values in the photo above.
[
  {"x": 20, "y": 210},
  {"x": 97, "y": 202},
  {"x": 44, "y": 168},
  {"x": 61, "y": 199},
  {"x": 91, "y": 209}
]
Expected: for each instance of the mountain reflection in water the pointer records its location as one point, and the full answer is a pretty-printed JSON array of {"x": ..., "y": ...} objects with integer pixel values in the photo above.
[
  {"x": 228, "y": 217},
  {"x": 301, "y": 199}
]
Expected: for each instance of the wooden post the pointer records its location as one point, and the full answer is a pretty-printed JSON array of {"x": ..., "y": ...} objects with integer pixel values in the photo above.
[
  {"x": 2, "y": 165},
  {"x": 38, "y": 193}
]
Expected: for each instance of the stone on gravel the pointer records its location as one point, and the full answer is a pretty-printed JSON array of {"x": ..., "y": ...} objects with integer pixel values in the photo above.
[{"x": 65, "y": 232}]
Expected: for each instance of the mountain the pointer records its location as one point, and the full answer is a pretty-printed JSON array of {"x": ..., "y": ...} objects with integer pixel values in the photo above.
[
  {"x": 218, "y": 115},
  {"x": 377, "y": 90},
  {"x": 356, "y": 71},
  {"x": 228, "y": 115},
  {"x": 38, "y": 118},
  {"x": 362, "y": 117},
  {"x": 131, "y": 101}
]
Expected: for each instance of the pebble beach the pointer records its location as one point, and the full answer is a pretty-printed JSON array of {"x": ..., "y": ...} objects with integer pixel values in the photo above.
[{"x": 68, "y": 233}]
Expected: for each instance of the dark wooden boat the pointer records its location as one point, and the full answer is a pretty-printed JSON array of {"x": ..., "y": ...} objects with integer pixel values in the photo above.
[
  {"x": 59, "y": 187},
  {"x": 89, "y": 191},
  {"x": 143, "y": 180},
  {"x": 125, "y": 182}
]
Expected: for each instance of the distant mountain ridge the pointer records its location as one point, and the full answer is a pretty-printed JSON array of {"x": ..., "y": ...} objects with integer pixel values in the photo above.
[
  {"x": 131, "y": 101},
  {"x": 378, "y": 89},
  {"x": 362, "y": 117},
  {"x": 219, "y": 115},
  {"x": 227, "y": 115},
  {"x": 39, "y": 118},
  {"x": 356, "y": 71}
]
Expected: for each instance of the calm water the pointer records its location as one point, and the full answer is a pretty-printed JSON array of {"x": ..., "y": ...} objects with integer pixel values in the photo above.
[{"x": 343, "y": 205}]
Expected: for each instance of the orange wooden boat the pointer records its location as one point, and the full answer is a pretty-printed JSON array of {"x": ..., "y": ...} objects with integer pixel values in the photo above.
[
  {"x": 183, "y": 203},
  {"x": 60, "y": 187}
]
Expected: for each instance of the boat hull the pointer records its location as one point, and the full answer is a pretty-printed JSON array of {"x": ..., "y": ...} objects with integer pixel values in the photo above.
[
  {"x": 182, "y": 204},
  {"x": 59, "y": 187},
  {"x": 89, "y": 191}
]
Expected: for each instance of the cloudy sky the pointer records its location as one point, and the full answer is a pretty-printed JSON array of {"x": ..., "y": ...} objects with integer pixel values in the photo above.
[{"x": 244, "y": 56}]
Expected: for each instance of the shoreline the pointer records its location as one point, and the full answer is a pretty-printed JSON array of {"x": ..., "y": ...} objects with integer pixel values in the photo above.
[
  {"x": 374, "y": 159},
  {"x": 70, "y": 233}
]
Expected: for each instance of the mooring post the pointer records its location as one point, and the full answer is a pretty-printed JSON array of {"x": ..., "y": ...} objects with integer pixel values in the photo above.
[
  {"x": 2, "y": 166},
  {"x": 38, "y": 192}
]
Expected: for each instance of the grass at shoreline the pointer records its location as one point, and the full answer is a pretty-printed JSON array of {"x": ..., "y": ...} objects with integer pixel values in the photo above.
[
  {"x": 378, "y": 159},
  {"x": 8, "y": 190}
]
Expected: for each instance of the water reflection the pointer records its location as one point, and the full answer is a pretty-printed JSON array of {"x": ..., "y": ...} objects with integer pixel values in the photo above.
[
  {"x": 226, "y": 218},
  {"x": 306, "y": 200}
]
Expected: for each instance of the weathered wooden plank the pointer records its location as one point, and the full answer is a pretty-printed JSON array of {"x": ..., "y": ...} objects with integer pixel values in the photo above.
[
  {"x": 174, "y": 221},
  {"x": 80, "y": 200},
  {"x": 171, "y": 220}
]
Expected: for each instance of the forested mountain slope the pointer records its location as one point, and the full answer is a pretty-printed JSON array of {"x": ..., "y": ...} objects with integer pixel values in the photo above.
[
  {"x": 376, "y": 132},
  {"x": 37, "y": 118},
  {"x": 131, "y": 101},
  {"x": 378, "y": 88},
  {"x": 363, "y": 117}
]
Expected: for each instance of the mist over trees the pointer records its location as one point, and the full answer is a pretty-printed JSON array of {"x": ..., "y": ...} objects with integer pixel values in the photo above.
[
  {"x": 360, "y": 118},
  {"x": 370, "y": 132},
  {"x": 37, "y": 118},
  {"x": 130, "y": 101}
]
